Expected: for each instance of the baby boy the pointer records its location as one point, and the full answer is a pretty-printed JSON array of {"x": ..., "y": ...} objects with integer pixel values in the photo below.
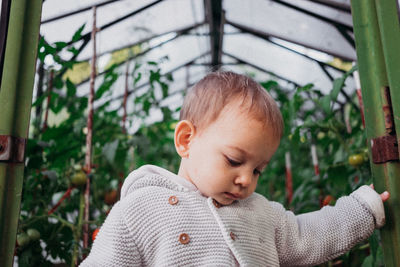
[{"x": 208, "y": 214}]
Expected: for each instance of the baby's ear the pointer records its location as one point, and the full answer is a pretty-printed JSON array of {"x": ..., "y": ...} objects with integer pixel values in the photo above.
[{"x": 184, "y": 133}]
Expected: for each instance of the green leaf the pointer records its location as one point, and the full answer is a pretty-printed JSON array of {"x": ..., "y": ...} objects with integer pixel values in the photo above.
[
  {"x": 169, "y": 77},
  {"x": 269, "y": 84},
  {"x": 57, "y": 82},
  {"x": 325, "y": 103},
  {"x": 368, "y": 262},
  {"x": 154, "y": 76},
  {"x": 71, "y": 88},
  {"x": 137, "y": 78},
  {"x": 109, "y": 79},
  {"x": 164, "y": 88},
  {"x": 39, "y": 100},
  {"x": 337, "y": 87},
  {"x": 305, "y": 88},
  {"x": 146, "y": 106},
  {"x": 73, "y": 50},
  {"x": 78, "y": 34},
  {"x": 60, "y": 45}
]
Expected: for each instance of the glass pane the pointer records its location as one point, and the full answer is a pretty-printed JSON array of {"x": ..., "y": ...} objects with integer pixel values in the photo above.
[{"x": 285, "y": 23}]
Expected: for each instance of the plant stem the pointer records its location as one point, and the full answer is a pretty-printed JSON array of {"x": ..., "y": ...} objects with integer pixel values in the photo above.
[
  {"x": 63, "y": 221},
  {"x": 78, "y": 230},
  {"x": 88, "y": 156}
]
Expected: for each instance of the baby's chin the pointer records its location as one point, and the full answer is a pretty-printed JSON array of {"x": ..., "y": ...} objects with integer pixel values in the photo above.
[
  {"x": 221, "y": 199},
  {"x": 224, "y": 201}
]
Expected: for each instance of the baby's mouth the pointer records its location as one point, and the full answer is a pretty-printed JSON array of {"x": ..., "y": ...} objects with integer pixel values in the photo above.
[{"x": 232, "y": 196}]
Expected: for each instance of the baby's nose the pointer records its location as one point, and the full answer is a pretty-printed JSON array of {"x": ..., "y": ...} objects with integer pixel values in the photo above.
[{"x": 244, "y": 180}]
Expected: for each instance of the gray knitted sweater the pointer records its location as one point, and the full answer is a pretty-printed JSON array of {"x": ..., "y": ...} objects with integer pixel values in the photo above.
[{"x": 163, "y": 220}]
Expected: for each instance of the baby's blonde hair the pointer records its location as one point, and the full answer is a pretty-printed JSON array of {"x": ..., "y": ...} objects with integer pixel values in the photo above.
[{"x": 206, "y": 99}]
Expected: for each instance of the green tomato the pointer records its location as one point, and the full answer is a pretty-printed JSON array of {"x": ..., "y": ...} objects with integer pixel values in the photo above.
[
  {"x": 79, "y": 178},
  {"x": 320, "y": 135},
  {"x": 356, "y": 160},
  {"x": 23, "y": 239},
  {"x": 366, "y": 154},
  {"x": 33, "y": 234}
]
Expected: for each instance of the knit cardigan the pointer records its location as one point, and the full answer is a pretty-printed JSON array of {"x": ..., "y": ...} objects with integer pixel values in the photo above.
[{"x": 163, "y": 220}]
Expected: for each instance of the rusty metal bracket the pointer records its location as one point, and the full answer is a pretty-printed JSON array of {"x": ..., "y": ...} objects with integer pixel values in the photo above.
[
  {"x": 384, "y": 149},
  {"x": 388, "y": 111},
  {"x": 12, "y": 149}
]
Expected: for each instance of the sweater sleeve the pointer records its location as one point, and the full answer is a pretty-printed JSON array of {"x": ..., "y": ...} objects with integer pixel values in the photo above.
[
  {"x": 114, "y": 245},
  {"x": 316, "y": 237}
]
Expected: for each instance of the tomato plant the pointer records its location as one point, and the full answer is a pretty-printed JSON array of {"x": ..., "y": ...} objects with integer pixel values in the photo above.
[{"x": 49, "y": 231}]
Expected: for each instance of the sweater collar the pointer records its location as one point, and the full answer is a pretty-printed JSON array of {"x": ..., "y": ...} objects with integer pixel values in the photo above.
[{"x": 171, "y": 176}]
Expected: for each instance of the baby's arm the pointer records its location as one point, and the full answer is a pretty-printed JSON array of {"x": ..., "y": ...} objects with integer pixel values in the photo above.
[
  {"x": 319, "y": 236},
  {"x": 114, "y": 245}
]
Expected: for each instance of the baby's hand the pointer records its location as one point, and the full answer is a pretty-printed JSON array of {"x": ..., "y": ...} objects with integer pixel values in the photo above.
[{"x": 384, "y": 196}]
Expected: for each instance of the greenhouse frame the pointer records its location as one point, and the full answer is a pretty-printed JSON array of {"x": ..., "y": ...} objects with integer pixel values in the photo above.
[{"x": 294, "y": 43}]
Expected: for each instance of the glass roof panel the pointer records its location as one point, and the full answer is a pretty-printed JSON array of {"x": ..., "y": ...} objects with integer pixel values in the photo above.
[
  {"x": 149, "y": 22},
  {"x": 323, "y": 10},
  {"x": 286, "y": 23},
  {"x": 277, "y": 60},
  {"x": 289, "y": 26}
]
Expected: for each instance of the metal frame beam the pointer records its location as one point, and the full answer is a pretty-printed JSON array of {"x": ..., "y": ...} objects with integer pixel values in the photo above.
[
  {"x": 334, "y": 4},
  {"x": 267, "y": 38},
  {"x": 215, "y": 17},
  {"x": 64, "y": 15}
]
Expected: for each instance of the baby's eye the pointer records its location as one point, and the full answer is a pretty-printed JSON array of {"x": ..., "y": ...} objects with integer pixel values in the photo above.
[
  {"x": 232, "y": 162},
  {"x": 256, "y": 172}
]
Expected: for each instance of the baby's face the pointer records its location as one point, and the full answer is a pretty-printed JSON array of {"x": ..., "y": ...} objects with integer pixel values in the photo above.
[{"x": 226, "y": 158}]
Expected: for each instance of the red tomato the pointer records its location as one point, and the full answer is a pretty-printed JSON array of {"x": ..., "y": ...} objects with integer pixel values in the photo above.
[
  {"x": 327, "y": 200},
  {"x": 95, "y": 233},
  {"x": 111, "y": 197}
]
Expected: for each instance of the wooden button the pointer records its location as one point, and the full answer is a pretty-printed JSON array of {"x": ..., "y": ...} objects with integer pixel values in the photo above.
[
  {"x": 184, "y": 238},
  {"x": 173, "y": 200},
  {"x": 232, "y": 236},
  {"x": 216, "y": 204}
]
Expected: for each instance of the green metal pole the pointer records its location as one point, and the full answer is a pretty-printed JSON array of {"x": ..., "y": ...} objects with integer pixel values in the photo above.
[
  {"x": 15, "y": 106},
  {"x": 390, "y": 35},
  {"x": 389, "y": 28},
  {"x": 374, "y": 81}
]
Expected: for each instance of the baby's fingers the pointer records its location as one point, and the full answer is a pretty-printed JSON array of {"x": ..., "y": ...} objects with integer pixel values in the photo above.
[{"x": 384, "y": 196}]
